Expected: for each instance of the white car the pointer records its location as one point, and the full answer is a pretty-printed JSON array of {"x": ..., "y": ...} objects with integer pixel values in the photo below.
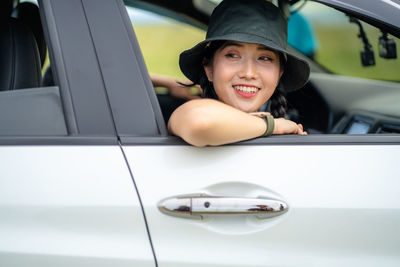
[{"x": 90, "y": 177}]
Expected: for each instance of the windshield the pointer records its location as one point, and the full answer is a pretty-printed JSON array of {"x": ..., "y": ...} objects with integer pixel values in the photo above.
[{"x": 337, "y": 47}]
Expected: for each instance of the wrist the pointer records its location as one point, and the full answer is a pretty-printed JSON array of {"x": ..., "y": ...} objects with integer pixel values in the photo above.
[{"x": 270, "y": 124}]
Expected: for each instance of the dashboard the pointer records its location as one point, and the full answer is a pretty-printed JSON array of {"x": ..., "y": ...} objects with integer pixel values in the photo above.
[
  {"x": 336, "y": 104},
  {"x": 362, "y": 122}
]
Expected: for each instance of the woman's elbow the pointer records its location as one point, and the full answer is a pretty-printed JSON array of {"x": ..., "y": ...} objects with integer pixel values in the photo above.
[
  {"x": 193, "y": 128},
  {"x": 196, "y": 132}
]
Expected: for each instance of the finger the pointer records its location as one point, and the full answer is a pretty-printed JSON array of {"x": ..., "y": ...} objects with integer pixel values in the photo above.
[
  {"x": 300, "y": 129},
  {"x": 303, "y": 133}
]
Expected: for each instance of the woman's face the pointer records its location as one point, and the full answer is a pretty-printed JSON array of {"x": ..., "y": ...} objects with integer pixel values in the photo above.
[{"x": 244, "y": 75}]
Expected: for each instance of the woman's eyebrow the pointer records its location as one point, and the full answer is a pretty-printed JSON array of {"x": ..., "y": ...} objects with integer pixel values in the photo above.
[
  {"x": 264, "y": 48},
  {"x": 230, "y": 43}
]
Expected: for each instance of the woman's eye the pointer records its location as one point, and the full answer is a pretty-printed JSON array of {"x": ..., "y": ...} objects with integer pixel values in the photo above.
[
  {"x": 266, "y": 58},
  {"x": 232, "y": 55}
]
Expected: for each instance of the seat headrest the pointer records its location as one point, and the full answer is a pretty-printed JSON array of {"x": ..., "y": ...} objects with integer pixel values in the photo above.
[
  {"x": 6, "y": 6},
  {"x": 19, "y": 56},
  {"x": 28, "y": 13}
]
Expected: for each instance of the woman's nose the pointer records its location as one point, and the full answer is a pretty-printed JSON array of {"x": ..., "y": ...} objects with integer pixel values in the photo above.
[{"x": 248, "y": 70}]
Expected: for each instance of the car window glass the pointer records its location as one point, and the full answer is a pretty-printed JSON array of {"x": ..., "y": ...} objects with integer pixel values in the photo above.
[{"x": 337, "y": 47}]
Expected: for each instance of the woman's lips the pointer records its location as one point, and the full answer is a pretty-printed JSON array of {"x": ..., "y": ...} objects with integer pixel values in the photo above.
[{"x": 246, "y": 91}]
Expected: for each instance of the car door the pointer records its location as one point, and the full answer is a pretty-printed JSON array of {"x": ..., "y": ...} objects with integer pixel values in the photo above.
[
  {"x": 317, "y": 200},
  {"x": 342, "y": 197},
  {"x": 66, "y": 192}
]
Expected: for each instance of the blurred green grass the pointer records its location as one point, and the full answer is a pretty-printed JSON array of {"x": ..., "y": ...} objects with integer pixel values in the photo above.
[
  {"x": 162, "y": 44},
  {"x": 339, "y": 50},
  {"x": 340, "y": 53}
]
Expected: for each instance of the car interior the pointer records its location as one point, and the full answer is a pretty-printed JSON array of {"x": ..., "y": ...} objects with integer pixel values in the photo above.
[
  {"x": 328, "y": 104},
  {"x": 23, "y": 49}
]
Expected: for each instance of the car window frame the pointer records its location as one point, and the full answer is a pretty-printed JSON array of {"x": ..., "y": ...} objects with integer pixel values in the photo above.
[
  {"x": 380, "y": 14},
  {"x": 120, "y": 104},
  {"x": 130, "y": 93},
  {"x": 75, "y": 66}
]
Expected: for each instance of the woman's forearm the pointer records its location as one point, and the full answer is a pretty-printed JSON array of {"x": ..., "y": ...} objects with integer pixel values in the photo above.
[
  {"x": 161, "y": 80},
  {"x": 175, "y": 87},
  {"x": 209, "y": 122}
]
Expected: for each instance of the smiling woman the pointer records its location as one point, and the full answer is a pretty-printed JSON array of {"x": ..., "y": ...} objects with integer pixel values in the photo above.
[
  {"x": 252, "y": 70},
  {"x": 242, "y": 66}
]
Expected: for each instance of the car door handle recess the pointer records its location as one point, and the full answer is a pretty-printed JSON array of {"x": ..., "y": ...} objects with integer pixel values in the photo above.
[{"x": 196, "y": 206}]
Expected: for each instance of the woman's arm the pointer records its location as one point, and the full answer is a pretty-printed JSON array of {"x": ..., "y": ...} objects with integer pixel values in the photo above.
[
  {"x": 205, "y": 122},
  {"x": 173, "y": 85}
]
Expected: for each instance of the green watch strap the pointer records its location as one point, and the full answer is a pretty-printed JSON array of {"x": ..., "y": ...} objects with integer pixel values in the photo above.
[{"x": 269, "y": 121}]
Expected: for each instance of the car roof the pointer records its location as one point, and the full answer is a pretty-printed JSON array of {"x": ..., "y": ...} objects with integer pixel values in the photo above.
[{"x": 381, "y": 13}]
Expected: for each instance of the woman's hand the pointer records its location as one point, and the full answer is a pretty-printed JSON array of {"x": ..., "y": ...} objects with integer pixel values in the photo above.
[{"x": 283, "y": 126}]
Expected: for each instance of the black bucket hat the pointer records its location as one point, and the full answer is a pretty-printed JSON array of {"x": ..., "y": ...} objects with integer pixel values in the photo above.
[{"x": 247, "y": 21}]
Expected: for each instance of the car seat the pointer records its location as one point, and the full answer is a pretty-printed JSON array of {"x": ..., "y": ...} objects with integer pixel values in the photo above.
[
  {"x": 28, "y": 14},
  {"x": 6, "y": 7},
  {"x": 19, "y": 56}
]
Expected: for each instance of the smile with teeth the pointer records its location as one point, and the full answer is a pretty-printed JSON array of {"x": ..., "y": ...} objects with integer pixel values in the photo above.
[{"x": 246, "y": 89}]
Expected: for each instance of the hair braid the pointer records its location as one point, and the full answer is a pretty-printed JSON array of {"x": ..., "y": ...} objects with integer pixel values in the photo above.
[
  {"x": 207, "y": 87},
  {"x": 278, "y": 103}
]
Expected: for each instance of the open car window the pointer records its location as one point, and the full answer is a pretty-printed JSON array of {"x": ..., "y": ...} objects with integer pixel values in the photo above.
[{"x": 352, "y": 89}]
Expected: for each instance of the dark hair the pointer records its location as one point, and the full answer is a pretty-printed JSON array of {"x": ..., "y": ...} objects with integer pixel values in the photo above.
[
  {"x": 278, "y": 103},
  {"x": 205, "y": 84}
]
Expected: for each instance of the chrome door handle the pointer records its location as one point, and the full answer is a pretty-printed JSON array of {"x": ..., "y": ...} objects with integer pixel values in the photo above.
[{"x": 196, "y": 206}]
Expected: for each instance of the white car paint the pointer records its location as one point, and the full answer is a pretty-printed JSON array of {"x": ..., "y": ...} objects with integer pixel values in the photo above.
[
  {"x": 343, "y": 204},
  {"x": 69, "y": 206}
]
